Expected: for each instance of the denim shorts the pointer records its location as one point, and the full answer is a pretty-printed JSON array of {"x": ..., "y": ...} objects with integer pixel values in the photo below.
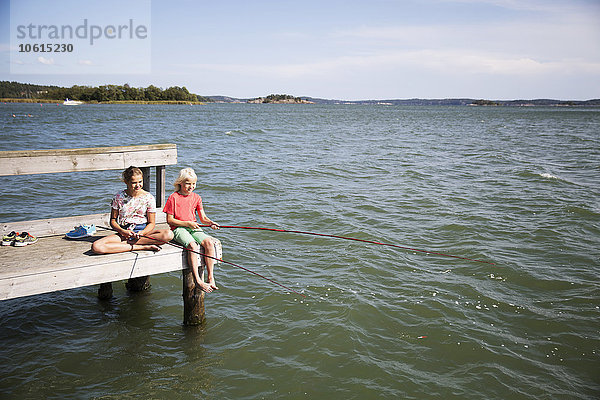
[{"x": 134, "y": 227}]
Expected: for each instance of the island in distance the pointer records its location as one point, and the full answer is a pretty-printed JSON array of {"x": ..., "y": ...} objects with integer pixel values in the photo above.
[{"x": 280, "y": 99}]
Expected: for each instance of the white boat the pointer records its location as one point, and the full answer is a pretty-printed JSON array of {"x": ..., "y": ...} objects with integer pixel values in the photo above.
[{"x": 68, "y": 102}]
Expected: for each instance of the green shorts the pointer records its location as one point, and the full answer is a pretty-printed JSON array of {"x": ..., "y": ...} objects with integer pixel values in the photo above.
[{"x": 185, "y": 236}]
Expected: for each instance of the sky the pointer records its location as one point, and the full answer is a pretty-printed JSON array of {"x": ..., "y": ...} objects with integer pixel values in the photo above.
[{"x": 334, "y": 49}]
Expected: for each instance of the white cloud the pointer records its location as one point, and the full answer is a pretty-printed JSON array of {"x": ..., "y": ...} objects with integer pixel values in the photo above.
[
  {"x": 86, "y": 62},
  {"x": 45, "y": 61},
  {"x": 534, "y": 49},
  {"x": 540, "y": 6},
  {"x": 539, "y": 38},
  {"x": 438, "y": 61}
]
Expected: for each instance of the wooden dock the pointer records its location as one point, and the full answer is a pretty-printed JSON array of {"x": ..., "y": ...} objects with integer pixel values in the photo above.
[{"x": 55, "y": 263}]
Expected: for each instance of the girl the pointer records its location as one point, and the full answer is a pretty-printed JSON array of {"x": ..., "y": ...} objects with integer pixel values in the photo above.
[
  {"x": 132, "y": 215},
  {"x": 181, "y": 209}
]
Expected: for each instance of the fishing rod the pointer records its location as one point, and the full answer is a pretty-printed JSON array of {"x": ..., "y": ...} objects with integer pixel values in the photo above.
[
  {"x": 355, "y": 239},
  {"x": 217, "y": 259}
]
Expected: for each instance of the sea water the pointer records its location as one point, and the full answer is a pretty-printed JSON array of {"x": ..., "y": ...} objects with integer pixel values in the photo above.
[{"x": 517, "y": 187}]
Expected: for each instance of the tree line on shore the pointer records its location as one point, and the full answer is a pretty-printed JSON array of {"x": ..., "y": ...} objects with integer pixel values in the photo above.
[
  {"x": 100, "y": 94},
  {"x": 116, "y": 93}
]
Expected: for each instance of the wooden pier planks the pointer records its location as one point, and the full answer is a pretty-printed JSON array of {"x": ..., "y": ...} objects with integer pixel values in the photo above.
[{"x": 55, "y": 263}]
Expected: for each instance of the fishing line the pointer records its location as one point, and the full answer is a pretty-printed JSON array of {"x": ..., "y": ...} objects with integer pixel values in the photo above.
[
  {"x": 217, "y": 259},
  {"x": 355, "y": 239}
]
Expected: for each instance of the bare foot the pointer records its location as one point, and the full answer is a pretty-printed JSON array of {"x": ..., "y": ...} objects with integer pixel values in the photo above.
[
  {"x": 205, "y": 287},
  {"x": 213, "y": 284}
]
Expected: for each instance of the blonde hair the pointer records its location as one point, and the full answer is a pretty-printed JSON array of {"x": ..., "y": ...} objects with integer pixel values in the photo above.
[{"x": 184, "y": 174}]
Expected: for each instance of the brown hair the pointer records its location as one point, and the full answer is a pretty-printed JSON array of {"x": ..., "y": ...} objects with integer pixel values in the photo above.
[{"x": 131, "y": 171}]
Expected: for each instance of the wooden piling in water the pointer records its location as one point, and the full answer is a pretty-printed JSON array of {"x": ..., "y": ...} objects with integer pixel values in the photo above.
[
  {"x": 193, "y": 300},
  {"x": 105, "y": 291},
  {"x": 138, "y": 284}
]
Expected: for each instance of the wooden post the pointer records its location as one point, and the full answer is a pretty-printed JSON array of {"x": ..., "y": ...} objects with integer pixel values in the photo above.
[
  {"x": 193, "y": 298},
  {"x": 138, "y": 284},
  {"x": 105, "y": 291},
  {"x": 160, "y": 186}
]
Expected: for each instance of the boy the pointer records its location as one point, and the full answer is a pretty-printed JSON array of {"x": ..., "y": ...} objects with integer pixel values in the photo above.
[{"x": 181, "y": 209}]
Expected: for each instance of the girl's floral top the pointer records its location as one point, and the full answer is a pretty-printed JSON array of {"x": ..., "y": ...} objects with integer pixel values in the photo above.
[{"x": 132, "y": 210}]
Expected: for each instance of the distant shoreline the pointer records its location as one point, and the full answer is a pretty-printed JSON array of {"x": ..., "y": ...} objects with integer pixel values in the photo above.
[
  {"x": 15, "y": 92},
  {"x": 309, "y": 101},
  {"x": 47, "y": 101}
]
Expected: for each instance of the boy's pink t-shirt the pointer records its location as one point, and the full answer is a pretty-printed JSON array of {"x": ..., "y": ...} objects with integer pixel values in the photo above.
[{"x": 183, "y": 208}]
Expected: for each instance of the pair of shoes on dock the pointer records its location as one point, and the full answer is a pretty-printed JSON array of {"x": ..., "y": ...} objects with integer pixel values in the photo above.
[
  {"x": 18, "y": 239},
  {"x": 81, "y": 231}
]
